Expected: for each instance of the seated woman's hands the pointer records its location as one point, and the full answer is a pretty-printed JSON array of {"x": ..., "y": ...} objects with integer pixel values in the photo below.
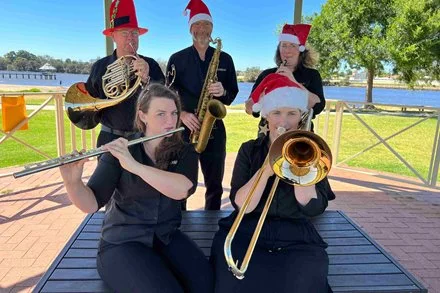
[
  {"x": 72, "y": 172},
  {"x": 119, "y": 149}
]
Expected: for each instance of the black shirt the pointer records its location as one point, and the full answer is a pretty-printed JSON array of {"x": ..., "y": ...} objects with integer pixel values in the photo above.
[
  {"x": 120, "y": 116},
  {"x": 284, "y": 205},
  {"x": 190, "y": 77},
  {"x": 308, "y": 77},
  {"x": 137, "y": 211}
]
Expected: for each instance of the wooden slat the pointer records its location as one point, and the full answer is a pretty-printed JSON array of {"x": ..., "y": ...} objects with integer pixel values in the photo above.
[
  {"x": 369, "y": 280},
  {"x": 380, "y": 289},
  {"x": 75, "y": 286},
  {"x": 340, "y": 234},
  {"x": 346, "y": 241},
  {"x": 72, "y": 263},
  {"x": 356, "y": 269},
  {"x": 75, "y": 274},
  {"x": 89, "y": 236},
  {"x": 353, "y": 249},
  {"x": 85, "y": 244},
  {"x": 81, "y": 252},
  {"x": 358, "y": 259}
]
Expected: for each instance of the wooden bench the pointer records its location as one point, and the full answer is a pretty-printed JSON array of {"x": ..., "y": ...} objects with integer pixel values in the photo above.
[{"x": 357, "y": 263}]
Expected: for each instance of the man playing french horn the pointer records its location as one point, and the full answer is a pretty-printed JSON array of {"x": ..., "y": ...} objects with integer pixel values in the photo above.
[
  {"x": 193, "y": 65},
  {"x": 117, "y": 121}
]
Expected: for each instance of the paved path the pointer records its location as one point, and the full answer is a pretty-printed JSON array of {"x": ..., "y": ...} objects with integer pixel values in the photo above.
[{"x": 37, "y": 219}]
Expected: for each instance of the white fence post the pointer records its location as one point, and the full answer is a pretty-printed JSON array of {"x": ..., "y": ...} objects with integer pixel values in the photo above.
[{"x": 59, "y": 121}]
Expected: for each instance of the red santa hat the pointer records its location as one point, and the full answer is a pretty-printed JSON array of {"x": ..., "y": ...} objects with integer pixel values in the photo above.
[
  {"x": 199, "y": 11},
  {"x": 296, "y": 34},
  {"x": 123, "y": 15},
  {"x": 278, "y": 91}
]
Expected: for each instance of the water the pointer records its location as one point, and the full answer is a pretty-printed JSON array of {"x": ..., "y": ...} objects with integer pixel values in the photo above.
[
  {"x": 66, "y": 79},
  {"x": 355, "y": 94}
]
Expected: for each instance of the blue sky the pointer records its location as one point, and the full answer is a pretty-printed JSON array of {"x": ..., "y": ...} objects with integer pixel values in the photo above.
[{"x": 73, "y": 29}]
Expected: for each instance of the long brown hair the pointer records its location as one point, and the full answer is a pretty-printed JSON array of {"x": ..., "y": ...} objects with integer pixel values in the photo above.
[
  {"x": 169, "y": 147},
  {"x": 308, "y": 58}
]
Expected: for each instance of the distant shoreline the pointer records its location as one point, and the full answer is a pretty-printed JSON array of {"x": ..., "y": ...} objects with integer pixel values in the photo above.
[
  {"x": 42, "y": 88},
  {"x": 384, "y": 85}
]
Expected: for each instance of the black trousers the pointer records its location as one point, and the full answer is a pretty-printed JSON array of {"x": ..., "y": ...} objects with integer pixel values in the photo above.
[
  {"x": 177, "y": 267},
  {"x": 213, "y": 169},
  {"x": 212, "y": 163},
  {"x": 280, "y": 263}
]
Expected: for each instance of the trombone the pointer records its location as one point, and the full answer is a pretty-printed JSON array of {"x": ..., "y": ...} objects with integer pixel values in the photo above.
[{"x": 298, "y": 157}]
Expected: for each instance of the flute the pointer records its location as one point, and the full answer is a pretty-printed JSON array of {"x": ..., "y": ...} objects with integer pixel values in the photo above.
[{"x": 73, "y": 157}]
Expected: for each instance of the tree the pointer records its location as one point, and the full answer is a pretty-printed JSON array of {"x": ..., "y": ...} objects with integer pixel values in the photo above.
[
  {"x": 20, "y": 64},
  {"x": 353, "y": 32},
  {"x": 414, "y": 39},
  {"x": 162, "y": 65},
  {"x": 3, "y": 64},
  {"x": 10, "y": 57},
  {"x": 251, "y": 74}
]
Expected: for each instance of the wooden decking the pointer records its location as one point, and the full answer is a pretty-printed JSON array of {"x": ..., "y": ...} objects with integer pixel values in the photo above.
[{"x": 357, "y": 263}]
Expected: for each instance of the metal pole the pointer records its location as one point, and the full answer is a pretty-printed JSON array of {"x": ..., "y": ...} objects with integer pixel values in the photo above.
[
  {"x": 435, "y": 159},
  {"x": 297, "y": 12},
  {"x": 337, "y": 131},
  {"x": 108, "y": 41}
]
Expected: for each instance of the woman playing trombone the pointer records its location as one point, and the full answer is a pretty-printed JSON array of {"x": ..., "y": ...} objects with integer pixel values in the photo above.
[
  {"x": 141, "y": 248},
  {"x": 289, "y": 255}
]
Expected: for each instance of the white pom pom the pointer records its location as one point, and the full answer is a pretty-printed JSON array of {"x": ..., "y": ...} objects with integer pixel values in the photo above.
[
  {"x": 256, "y": 108},
  {"x": 302, "y": 48}
]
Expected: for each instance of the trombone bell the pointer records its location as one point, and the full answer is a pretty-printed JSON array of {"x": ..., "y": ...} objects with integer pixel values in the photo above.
[{"x": 300, "y": 157}]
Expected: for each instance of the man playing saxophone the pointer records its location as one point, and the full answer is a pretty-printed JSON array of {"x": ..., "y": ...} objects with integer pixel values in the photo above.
[
  {"x": 117, "y": 121},
  {"x": 192, "y": 65}
]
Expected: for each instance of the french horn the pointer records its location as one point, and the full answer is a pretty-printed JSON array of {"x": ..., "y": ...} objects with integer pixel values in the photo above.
[{"x": 118, "y": 83}]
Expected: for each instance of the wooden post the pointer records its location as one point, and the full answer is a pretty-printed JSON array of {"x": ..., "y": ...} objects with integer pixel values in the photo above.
[
  {"x": 73, "y": 137},
  {"x": 297, "y": 12},
  {"x": 59, "y": 120},
  {"x": 108, "y": 41}
]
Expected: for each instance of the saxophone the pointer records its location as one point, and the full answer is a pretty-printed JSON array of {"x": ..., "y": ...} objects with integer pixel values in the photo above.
[{"x": 208, "y": 109}]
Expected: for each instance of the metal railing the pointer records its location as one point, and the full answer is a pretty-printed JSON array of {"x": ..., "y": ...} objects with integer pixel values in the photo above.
[{"x": 339, "y": 109}]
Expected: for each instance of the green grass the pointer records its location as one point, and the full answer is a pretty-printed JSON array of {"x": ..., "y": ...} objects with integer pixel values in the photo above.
[
  {"x": 236, "y": 107},
  {"x": 415, "y": 145},
  {"x": 41, "y": 135}
]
